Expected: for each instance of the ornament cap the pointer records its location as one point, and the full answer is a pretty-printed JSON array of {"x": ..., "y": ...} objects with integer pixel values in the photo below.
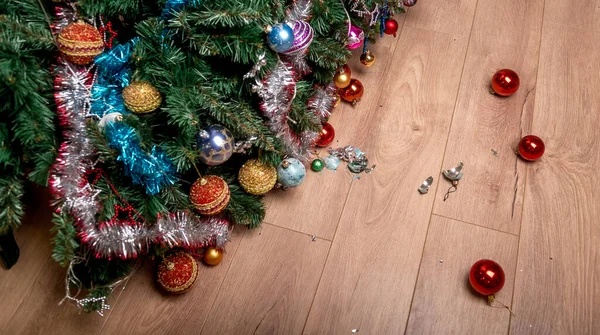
[
  {"x": 285, "y": 164},
  {"x": 204, "y": 134}
]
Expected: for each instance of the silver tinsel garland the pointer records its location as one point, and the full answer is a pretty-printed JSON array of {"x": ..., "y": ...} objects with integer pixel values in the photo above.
[
  {"x": 322, "y": 101},
  {"x": 277, "y": 91},
  {"x": 300, "y": 10}
]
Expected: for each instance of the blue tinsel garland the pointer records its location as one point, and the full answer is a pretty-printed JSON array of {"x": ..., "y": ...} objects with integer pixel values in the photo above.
[
  {"x": 114, "y": 74},
  {"x": 152, "y": 170}
]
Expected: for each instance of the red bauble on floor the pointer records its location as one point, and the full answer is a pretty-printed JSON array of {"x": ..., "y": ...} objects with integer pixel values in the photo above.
[
  {"x": 531, "y": 148},
  {"x": 505, "y": 83},
  {"x": 391, "y": 27},
  {"x": 486, "y": 277},
  {"x": 327, "y": 135}
]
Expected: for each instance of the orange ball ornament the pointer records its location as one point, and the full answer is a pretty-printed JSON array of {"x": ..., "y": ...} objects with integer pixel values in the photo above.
[
  {"x": 210, "y": 195},
  {"x": 177, "y": 273},
  {"x": 353, "y": 92},
  {"x": 505, "y": 83},
  {"x": 212, "y": 256},
  {"x": 80, "y": 42}
]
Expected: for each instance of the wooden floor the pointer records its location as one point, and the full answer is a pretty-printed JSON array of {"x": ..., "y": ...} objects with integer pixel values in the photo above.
[{"x": 386, "y": 259}]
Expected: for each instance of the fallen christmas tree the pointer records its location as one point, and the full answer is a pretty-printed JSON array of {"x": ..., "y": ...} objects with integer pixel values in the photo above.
[{"x": 178, "y": 117}]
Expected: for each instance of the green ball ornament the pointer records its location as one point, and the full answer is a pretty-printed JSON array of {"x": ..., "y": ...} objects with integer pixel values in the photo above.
[{"x": 317, "y": 165}]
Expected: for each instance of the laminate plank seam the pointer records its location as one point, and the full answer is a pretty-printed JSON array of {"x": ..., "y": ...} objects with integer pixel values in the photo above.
[
  {"x": 568, "y": 26},
  {"x": 299, "y": 232},
  {"x": 121, "y": 289},
  {"x": 516, "y": 187},
  {"x": 28, "y": 290},
  {"x": 474, "y": 224},
  {"x": 441, "y": 32},
  {"x": 537, "y": 77},
  {"x": 412, "y": 299},
  {"x": 400, "y": 30},
  {"x": 212, "y": 306}
]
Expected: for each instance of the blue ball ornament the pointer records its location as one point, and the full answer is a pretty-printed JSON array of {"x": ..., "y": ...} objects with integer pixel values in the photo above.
[
  {"x": 291, "y": 172},
  {"x": 215, "y": 145},
  {"x": 280, "y": 37}
]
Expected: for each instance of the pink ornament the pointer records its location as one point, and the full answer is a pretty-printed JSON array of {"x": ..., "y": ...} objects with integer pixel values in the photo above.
[
  {"x": 303, "y": 37},
  {"x": 355, "y": 37}
]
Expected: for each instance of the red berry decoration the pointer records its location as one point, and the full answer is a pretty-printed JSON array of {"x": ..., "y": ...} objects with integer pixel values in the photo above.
[
  {"x": 505, "y": 83},
  {"x": 80, "y": 42},
  {"x": 177, "y": 272},
  {"x": 327, "y": 135},
  {"x": 391, "y": 27},
  {"x": 486, "y": 277},
  {"x": 531, "y": 148}
]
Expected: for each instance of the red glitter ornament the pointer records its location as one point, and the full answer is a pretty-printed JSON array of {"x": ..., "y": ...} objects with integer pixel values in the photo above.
[
  {"x": 210, "y": 195},
  {"x": 80, "y": 42},
  {"x": 353, "y": 92},
  {"x": 177, "y": 272},
  {"x": 391, "y": 27},
  {"x": 486, "y": 277},
  {"x": 327, "y": 135},
  {"x": 531, "y": 148},
  {"x": 505, "y": 83}
]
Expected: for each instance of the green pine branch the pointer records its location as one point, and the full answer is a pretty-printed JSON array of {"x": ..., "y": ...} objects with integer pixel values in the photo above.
[
  {"x": 11, "y": 207},
  {"x": 65, "y": 240},
  {"x": 245, "y": 209}
]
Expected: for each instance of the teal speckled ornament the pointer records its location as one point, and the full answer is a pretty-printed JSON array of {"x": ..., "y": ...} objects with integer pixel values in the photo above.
[
  {"x": 317, "y": 165},
  {"x": 291, "y": 172}
]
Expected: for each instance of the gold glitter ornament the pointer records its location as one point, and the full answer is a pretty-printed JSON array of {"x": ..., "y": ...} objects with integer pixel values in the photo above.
[
  {"x": 141, "y": 97},
  {"x": 256, "y": 177}
]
